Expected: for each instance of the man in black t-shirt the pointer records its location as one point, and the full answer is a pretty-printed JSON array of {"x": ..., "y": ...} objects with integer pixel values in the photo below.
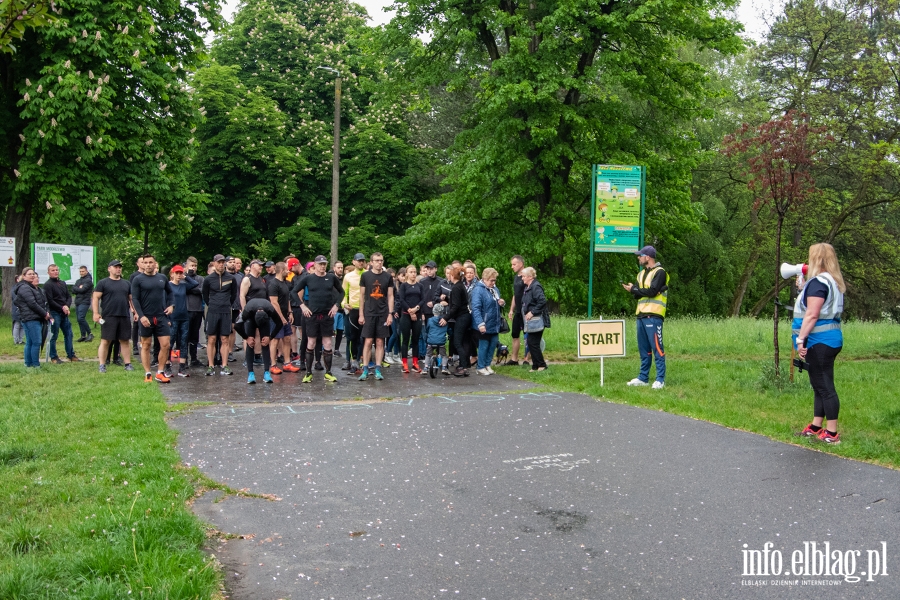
[
  {"x": 376, "y": 299},
  {"x": 517, "y": 263},
  {"x": 279, "y": 296},
  {"x": 110, "y": 303},
  {"x": 153, "y": 303},
  {"x": 325, "y": 295}
]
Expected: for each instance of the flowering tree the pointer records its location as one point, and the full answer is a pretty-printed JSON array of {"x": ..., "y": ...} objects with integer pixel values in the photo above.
[
  {"x": 779, "y": 155},
  {"x": 16, "y": 16},
  {"x": 97, "y": 120}
]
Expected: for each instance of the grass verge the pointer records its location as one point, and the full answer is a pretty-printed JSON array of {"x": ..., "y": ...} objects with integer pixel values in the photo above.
[
  {"x": 94, "y": 504},
  {"x": 721, "y": 371},
  {"x": 9, "y": 351}
]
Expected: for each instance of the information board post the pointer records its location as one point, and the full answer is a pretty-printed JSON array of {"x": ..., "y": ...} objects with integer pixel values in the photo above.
[
  {"x": 601, "y": 339},
  {"x": 618, "y": 198}
]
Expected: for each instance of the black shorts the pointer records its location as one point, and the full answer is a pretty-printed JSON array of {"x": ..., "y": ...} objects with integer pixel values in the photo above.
[
  {"x": 115, "y": 328},
  {"x": 160, "y": 326},
  {"x": 518, "y": 325},
  {"x": 218, "y": 324},
  {"x": 318, "y": 325},
  {"x": 374, "y": 328}
]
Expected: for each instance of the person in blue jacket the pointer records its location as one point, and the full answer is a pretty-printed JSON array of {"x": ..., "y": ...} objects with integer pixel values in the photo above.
[
  {"x": 436, "y": 337},
  {"x": 486, "y": 303},
  {"x": 179, "y": 286}
]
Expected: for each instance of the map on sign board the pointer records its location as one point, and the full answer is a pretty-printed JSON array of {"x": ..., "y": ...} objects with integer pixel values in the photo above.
[
  {"x": 618, "y": 198},
  {"x": 68, "y": 258}
]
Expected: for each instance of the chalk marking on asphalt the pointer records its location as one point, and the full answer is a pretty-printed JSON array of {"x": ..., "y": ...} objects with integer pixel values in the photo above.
[{"x": 547, "y": 461}]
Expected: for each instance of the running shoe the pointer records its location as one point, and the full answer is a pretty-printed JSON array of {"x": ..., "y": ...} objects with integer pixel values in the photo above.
[
  {"x": 161, "y": 377},
  {"x": 483, "y": 372},
  {"x": 808, "y": 432},
  {"x": 183, "y": 371},
  {"x": 290, "y": 368},
  {"x": 168, "y": 370},
  {"x": 445, "y": 371},
  {"x": 319, "y": 366},
  {"x": 210, "y": 371},
  {"x": 636, "y": 382},
  {"x": 658, "y": 385},
  {"x": 307, "y": 378},
  {"x": 274, "y": 371},
  {"x": 378, "y": 374},
  {"x": 329, "y": 378},
  {"x": 385, "y": 364},
  {"x": 267, "y": 377},
  {"x": 825, "y": 436},
  {"x": 251, "y": 377},
  {"x": 337, "y": 354},
  {"x": 148, "y": 377},
  {"x": 129, "y": 367},
  {"x": 103, "y": 368},
  {"x": 490, "y": 370},
  {"x": 365, "y": 374},
  {"x": 226, "y": 371}
]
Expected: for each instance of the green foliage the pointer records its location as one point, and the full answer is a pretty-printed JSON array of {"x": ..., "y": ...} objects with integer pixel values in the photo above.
[
  {"x": 266, "y": 155},
  {"x": 16, "y": 16},
  {"x": 560, "y": 86}
]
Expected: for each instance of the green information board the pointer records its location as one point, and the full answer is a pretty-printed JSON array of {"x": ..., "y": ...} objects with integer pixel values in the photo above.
[
  {"x": 618, "y": 208},
  {"x": 618, "y": 195}
]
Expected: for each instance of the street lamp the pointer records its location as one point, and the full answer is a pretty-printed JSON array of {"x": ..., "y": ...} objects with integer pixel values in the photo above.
[{"x": 336, "y": 167}]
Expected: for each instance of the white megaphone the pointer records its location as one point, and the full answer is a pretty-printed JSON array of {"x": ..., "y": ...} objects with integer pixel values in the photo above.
[{"x": 788, "y": 270}]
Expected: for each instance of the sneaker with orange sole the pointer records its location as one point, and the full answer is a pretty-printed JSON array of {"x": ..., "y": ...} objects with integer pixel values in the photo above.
[
  {"x": 148, "y": 378},
  {"x": 161, "y": 377},
  {"x": 829, "y": 439},
  {"x": 289, "y": 368},
  {"x": 275, "y": 371},
  {"x": 808, "y": 432}
]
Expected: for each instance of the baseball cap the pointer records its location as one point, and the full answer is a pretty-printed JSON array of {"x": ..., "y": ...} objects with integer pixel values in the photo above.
[
  {"x": 647, "y": 251},
  {"x": 269, "y": 263},
  {"x": 256, "y": 261},
  {"x": 177, "y": 269},
  {"x": 292, "y": 262},
  {"x": 114, "y": 263},
  {"x": 218, "y": 257},
  {"x": 431, "y": 264},
  {"x": 229, "y": 257},
  {"x": 359, "y": 256},
  {"x": 321, "y": 259}
]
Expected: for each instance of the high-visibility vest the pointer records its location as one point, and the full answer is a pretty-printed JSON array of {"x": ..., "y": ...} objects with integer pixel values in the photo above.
[
  {"x": 657, "y": 304},
  {"x": 830, "y": 315}
]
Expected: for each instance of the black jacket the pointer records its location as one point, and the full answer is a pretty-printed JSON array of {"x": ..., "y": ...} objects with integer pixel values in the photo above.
[
  {"x": 31, "y": 302},
  {"x": 459, "y": 301},
  {"x": 195, "y": 295},
  {"x": 84, "y": 289},
  {"x": 219, "y": 292},
  {"x": 431, "y": 292},
  {"x": 57, "y": 293},
  {"x": 535, "y": 302}
]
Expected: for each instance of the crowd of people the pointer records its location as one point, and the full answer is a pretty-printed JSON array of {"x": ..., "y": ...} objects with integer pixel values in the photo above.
[{"x": 289, "y": 317}]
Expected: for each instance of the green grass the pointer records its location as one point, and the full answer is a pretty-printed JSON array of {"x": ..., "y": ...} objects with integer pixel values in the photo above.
[
  {"x": 721, "y": 371},
  {"x": 93, "y": 502}
]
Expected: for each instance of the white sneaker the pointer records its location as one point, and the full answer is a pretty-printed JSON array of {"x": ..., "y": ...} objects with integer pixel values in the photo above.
[
  {"x": 389, "y": 359},
  {"x": 637, "y": 382},
  {"x": 490, "y": 370},
  {"x": 483, "y": 372},
  {"x": 658, "y": 385}
]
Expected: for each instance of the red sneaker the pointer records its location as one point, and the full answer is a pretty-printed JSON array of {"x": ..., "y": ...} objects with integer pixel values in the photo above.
[
  {"x": 161, "y": 377},
  {"x": 808, "y": 432},
  {"x": 275, "y": 371},
  {"x": 287, "y": 367},
  {"x": 826, "y": 437}
]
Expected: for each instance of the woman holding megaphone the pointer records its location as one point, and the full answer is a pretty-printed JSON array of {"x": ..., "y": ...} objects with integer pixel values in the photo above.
[{"x": 818, "y": 339}]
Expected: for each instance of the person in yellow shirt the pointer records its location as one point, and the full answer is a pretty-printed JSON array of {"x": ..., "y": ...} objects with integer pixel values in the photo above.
[
  {"x": 351, "y": 309},
  {"x": 651, "y": 292}
]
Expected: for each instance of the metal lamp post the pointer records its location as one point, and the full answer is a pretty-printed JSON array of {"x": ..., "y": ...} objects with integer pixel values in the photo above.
[{"x": 336, "y": 167}]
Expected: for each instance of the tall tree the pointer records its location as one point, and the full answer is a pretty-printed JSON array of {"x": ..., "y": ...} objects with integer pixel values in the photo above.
[
  {"x": 276, "y": 48},
  {"x": 561, "y": 85},
  {"x": 98, "y": 121}
]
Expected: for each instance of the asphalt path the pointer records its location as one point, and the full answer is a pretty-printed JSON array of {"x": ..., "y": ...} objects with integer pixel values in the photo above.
[{"x": 484, "y": 488}]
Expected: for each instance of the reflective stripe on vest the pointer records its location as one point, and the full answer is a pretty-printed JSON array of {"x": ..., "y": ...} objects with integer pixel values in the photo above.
[
  {"x": 657, "y": 304},
  {"x": 830, "y": 314}
]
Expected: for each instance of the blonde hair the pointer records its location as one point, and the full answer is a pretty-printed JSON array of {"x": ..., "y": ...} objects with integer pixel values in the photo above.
[
  {"x": 822, "y": 259},
  {"x": 528, "y": 272},
  {"x": 489, "y": 273}
]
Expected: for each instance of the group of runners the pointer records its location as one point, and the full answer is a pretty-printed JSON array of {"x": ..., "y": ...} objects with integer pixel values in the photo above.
[{"x": 293, "y": 317}]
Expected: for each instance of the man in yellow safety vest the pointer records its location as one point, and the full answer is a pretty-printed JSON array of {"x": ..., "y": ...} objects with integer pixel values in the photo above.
[{"x": 651, "y": 293}]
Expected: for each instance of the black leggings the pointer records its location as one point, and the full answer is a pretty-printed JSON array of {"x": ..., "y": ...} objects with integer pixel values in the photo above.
[
  {"x": 407, "y": 326},
  {"x": 462, "y": 340},
  {"x": 821, "y": 376},
  {"x": 351, "y": 326}
]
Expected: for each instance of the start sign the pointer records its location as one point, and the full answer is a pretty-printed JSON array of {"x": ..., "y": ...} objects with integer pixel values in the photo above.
[{"x": 601, "y": 338}]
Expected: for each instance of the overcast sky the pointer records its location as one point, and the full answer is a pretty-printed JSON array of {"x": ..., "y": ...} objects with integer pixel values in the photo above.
[{"x": 750, "y": 12}]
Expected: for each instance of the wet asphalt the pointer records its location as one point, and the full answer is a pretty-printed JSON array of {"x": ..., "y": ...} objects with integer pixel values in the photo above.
[{"x": 483, "y": 487}]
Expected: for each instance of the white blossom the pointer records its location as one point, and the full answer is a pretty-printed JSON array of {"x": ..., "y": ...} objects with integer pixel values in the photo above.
[
  {"x": 53, "y": 122},
  {"x": 27, "y": 82},
  {"x": 49, "y": 93},
  {"x": 162, "y": 166},
  {"x": 16, "y": 171},
  {"x": 48, "y": 205},
  {"x": 136, "y": 53},
  {"x": 22, "y": 137},
  {"x": 84, "y": 33},
  {"x": 90, "y": 74},
  {"x": 125, "y": 31},
  {"x": 148, "y": 142},
  {"x": 97, "y": 36},
  {"x": 88, "y": 140},
  {"x": 41, "y": 133},
  {"x": 68, "y": 64},
  {"x": 40, "y": 160},
  {"x": 40, "y": 88}
]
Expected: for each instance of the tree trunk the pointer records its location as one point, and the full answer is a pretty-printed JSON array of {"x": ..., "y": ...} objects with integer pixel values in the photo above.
[
  {"x": 18, "y": 225},
  {"x": 749, "y": 266},
  {"x": 777, "y": 282}
]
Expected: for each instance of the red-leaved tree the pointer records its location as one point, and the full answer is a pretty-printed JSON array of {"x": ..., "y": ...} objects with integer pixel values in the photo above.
[{"x": 778, "y": 156}]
